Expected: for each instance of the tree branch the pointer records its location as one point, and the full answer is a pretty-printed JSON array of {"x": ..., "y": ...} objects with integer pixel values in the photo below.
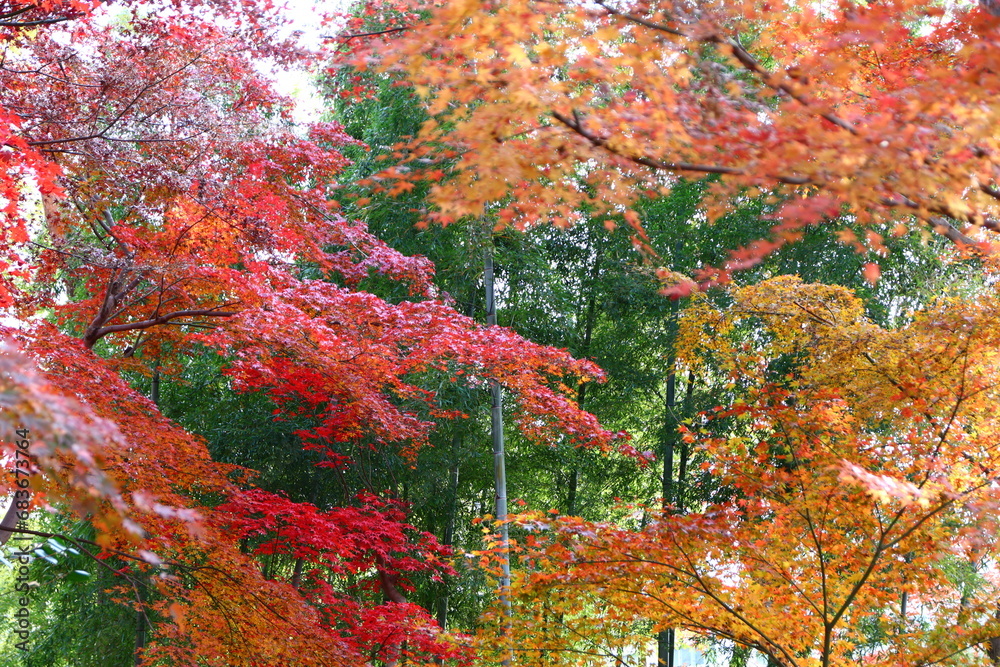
[
  {"x": 30, "y": 24},
  {"x": 576, "y": 125},
  {"x": 349, "y": 37},
  {"x": 742, "y": 56},
  {"x": 162, "y": 319}
]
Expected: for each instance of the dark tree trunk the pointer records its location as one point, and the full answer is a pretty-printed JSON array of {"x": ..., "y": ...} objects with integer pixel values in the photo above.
[
  {"x": 585, "y": 337},
  {"x": 297, "y": 573},
  {"x": 993, "y": 645},
  {"x": 574, "y": 481},
  {"x": 140, "y": 615},
  {"x": 665, "y": 639},
  {"x": 140, "y": 628},
  {"x": 685, "y": 449},
  {"x": 154, "y": 392},
  {"x": 665, "y": 647},
  {"x": 448, "y": 535}
]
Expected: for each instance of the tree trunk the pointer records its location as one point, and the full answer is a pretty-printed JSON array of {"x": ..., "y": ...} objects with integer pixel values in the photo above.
[
  {"x": 154, "y": 392},
  {"x": 993, "y": 645},
  {"x": 448, "y": 536},
  {"x": 685, "y": 449},
  {"x": 665, "y": 647},
  {"x": 669, "y": 415},
  {"x": 140, "y": 629},
  {"x": 583, "y": 352},
  {"x": 140, "y": 616},
  {"x": 574, "y": 481},
  {"x": 496, "y": 424},
  {"x": 297, "y": 573},
  {"x": 499, "y": 469},
  {"x": 665, "y": 639}
]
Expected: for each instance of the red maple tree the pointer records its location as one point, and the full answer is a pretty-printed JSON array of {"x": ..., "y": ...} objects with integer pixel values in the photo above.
[{"x": 159, "y": 201}]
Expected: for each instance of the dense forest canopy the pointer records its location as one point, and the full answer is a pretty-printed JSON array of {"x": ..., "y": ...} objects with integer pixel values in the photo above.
[{"x": 707, "y": 289}]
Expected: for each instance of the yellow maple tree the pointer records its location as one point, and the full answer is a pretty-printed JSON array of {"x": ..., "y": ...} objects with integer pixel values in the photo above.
[{"x": 861, "y": 481}]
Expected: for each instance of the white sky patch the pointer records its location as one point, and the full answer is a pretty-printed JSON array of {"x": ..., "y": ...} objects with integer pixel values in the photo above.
[
  {"x": 300, "y": 86},
  {"x": 306, "y": 26}
]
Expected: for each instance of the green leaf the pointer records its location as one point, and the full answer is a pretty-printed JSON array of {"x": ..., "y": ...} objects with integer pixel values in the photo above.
[
  {"x": 44, "y": 556},
  {"x": 55, "y": 545}
]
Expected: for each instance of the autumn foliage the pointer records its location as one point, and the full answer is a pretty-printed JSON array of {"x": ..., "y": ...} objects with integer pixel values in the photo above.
[
  {"x": 159, "y": 204},
  {"x": 881, "y": 113},
  {"x": 861, "y": 478}
]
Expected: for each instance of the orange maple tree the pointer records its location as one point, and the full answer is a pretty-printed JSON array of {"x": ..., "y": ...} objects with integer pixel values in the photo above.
[
  {"x": 860, "y": 480},
  {"x": 882, "y": 114}
]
